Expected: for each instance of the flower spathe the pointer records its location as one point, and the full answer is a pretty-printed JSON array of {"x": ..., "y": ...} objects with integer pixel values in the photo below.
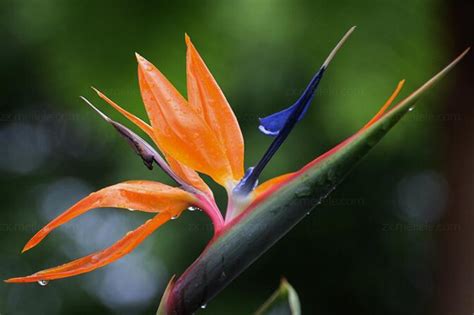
[{"x": 197, "y": 135}]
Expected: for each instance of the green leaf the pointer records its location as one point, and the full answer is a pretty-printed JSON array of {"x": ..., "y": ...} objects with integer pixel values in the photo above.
[
  {"x": 284, "y": 301},
  {"x": 252, "y": 233},
  {"x": 163, "y": 308}
]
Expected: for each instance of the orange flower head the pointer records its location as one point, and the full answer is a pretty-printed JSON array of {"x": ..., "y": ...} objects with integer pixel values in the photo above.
[{"x": 197, "y": 135}]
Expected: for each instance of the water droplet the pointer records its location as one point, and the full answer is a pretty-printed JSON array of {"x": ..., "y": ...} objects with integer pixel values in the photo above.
[
  {"x": 194, "y": 208},
  {"x": 130, "y": 209},
  {"x": 203, "y": 306},
  {"x": 411, "y": 108},
  {"x": 174, "y": 217},
  {"x": 43, "y": 282}
]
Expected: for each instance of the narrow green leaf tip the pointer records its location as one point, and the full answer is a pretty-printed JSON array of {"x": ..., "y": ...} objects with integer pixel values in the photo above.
[
  {"x": 284, "y": 301},
  {"x": 163, "y": 308}
]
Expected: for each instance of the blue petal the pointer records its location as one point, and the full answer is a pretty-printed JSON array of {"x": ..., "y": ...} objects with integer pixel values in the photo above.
[
  {"x": 280, "y": 124},
  {"x": 273, "y": 124}
]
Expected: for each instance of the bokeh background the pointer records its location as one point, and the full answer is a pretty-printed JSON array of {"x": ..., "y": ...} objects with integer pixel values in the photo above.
[{"x": 395, "y": 238}]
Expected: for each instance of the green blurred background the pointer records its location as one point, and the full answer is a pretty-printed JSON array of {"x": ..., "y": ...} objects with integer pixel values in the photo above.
[{"x": 376, "y": 246}]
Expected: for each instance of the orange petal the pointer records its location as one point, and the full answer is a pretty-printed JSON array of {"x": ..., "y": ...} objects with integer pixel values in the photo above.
[
  {"x": 206, "y": 98},
  {"x": 187, "y": 174},
  {"x": 145, "y": 196},
  {"x": 180, "y": 131},
  {"x": 385, "y": 106},
  {"x": 101, "y": 258}
]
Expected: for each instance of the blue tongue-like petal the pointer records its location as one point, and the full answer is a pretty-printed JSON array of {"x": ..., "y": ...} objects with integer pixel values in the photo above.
[
  {"x": 274, "y": 123},
  {"x": 280, "y": 124}
]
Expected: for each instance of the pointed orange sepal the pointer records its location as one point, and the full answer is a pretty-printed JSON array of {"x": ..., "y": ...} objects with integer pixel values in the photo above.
[
  {"x": 180, "y": 131},
  {"x": 145, "y": 196},
  {"x": 99, "y": 259},
  {"x": 385, "y": 106},
  {"x": 207, "y": 99}
]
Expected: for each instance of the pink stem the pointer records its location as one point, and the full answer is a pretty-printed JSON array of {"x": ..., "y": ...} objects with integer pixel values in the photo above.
[{"x": 208, "y": 205}]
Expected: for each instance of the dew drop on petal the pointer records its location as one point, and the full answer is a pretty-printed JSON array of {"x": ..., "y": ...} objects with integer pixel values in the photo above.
[
  {"x": 411, "y": 108},
  {"x": 203, "y": 306},
  {"x": 174, "y": 217},
  {"x": 43, "y": 282},
  {"x": 192, "y": 208}
]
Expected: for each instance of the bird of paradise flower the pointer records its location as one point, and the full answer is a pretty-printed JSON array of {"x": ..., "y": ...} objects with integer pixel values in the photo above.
[{"x": 198, "y": 135}]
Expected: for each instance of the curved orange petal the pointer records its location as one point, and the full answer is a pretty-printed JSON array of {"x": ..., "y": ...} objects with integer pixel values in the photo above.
[
  {"x": 145, "y": 196},
  {"x": 187, "y": 174},
  {"x": 206, "y": 98},
  {"x": 385, "y": 106},
  {"x": 180, "y": 131},
  {"x": 101, "y": 258}
]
